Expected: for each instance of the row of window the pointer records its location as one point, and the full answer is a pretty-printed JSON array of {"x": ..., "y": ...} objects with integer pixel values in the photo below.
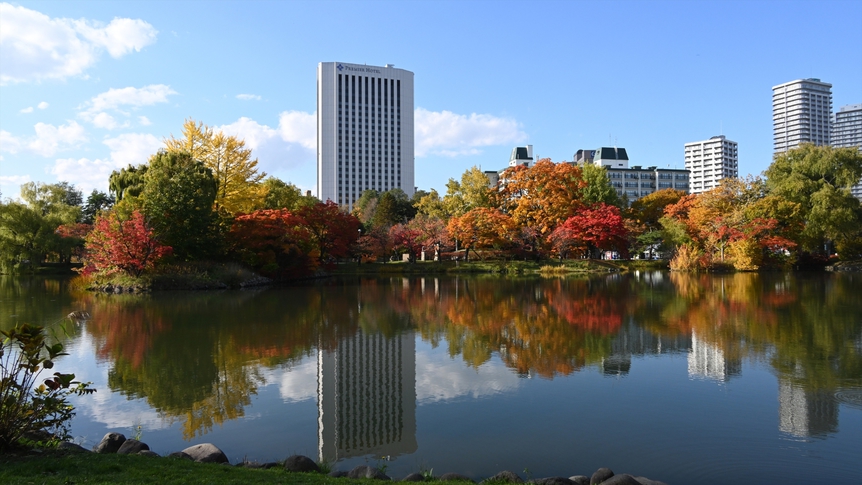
[{"x": 383, "y": 91}]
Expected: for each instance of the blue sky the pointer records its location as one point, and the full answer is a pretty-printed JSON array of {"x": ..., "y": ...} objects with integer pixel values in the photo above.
[{"x": 87, "y": 87}]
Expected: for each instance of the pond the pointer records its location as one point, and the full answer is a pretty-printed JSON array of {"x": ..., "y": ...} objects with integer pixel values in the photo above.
[{"x": 741, "y": 378}]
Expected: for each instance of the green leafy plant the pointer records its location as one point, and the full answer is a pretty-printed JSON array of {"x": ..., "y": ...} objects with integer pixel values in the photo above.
[{"x": 25, "y": 404}]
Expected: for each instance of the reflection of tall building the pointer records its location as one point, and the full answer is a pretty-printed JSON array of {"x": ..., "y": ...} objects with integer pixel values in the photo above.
[
  {"x": 806, "y": 413},
  {"x": 707, "y": 360},
  {"x": 632, "y": 339},
  {"x": 367, "y": 397}
]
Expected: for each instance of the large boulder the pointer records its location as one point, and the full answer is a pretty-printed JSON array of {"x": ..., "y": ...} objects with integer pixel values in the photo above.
[
  {"x": 151, "y": 454},
  {"x": 302, "y": 464},
  {"x": 206, "y": 453},
  {"x": 647, "y": 481},
  {"x": 111, "y": 443},
  {"x": 337, "y": 474},
  {"x": 622, "y": 479},
  {"x": 365, "y": 471},
  {"x": 131, "y": 447},
  {"x": 601, "y": 475},
  {"x": 504, "y": 477},
  {"x": 414, "y": 477},
  {"x": 65, "y": 445},
  {"x": 180, "y": 455},
  {"x": 580, "y": 479},
  {"x": 552, "y": 481}
]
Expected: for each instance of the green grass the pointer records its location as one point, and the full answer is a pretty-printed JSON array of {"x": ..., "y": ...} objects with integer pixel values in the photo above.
[{"x": 58, "y": 467}]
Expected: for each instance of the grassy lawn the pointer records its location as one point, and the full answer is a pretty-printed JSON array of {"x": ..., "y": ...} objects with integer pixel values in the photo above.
[{"x": 58, "y": 467}]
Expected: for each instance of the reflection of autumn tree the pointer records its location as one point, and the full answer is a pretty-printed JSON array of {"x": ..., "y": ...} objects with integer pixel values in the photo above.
[{"x": 803, "y": 323}]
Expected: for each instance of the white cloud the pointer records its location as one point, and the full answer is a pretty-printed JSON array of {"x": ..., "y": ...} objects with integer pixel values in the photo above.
[
  {"x": 126, "y": 149},
  {"x": 248, "y": 97},
  {"x": 35, "y": 47},
  {"x": 42, "y": 105},
  {"x": 299, "y": 383},
  {"x": 49, "y": 139},
  {"x": 28, "y": 109},
  {"x": 96, "y": 109},
  {"x": 290, "y": 145},
  {"x": 451, "y": 134},
  {"x": 144, "y": 121},
  {"x": 299, "y": 127}
]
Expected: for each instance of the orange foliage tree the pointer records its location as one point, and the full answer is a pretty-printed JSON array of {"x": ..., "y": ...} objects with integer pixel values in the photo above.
[
  {"x": 542, "y": 196},
  {"x": 482, "y": 228},
  {"x": 272, "y": 241}
]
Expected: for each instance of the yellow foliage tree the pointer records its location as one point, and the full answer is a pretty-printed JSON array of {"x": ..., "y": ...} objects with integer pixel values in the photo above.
[{"x": 239, "y": 187}]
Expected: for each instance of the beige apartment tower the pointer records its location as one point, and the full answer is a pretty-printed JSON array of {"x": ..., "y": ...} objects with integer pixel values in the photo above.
[{"x": 710, "y": 161}]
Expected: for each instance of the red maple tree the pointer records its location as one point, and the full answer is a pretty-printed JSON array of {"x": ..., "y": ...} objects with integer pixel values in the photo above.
[
  {"x": 116, "y": 245},
  {"x": 598, "y": 227}
]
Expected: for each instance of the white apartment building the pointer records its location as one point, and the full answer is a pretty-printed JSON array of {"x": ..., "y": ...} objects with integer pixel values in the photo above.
[
  {"x": 801, "y": 112},
  {"x": 636, "y": 181},
  {"x": 847, "y": 132},
  {"x": 711, "y": 160},
  {"x": 364, "y": 130}
]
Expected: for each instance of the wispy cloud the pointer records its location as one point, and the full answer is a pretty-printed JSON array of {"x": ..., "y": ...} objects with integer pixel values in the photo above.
[
  {"x": 248, "y": 97},
  {"x": 35, "y": 47},
  {"x": 126, "y": 149},
  {"x": 28, "y": 109}
]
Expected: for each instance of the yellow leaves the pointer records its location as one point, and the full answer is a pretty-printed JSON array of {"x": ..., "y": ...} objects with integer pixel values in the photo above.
[{"x": 239, "y": 182}]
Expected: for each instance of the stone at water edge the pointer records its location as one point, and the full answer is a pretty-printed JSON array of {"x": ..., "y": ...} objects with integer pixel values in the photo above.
[
  {"x": 65, "y": 445},
  {"x": 414, "y": 477},
  {"x": 647, "y": 481},
  {"x": 365, "y": 471},
  {"x": 580, "y": 479},
  {"x": 180, "y": 454},
  {"x": 206, "y": 453},
  {"x": 601, "y": 475},
  {"x": 299, "y": 463},
  {"x": 622, "y": 479},
  {"x": 552, "y": 481},
  {"x": 337, "y": 474},
  {"x": 130, "y": 447},
  {"x": 505, "y": 476},
  {"x": 454, "y": 476},
  {"x": 149, "y": 453},
  {"x": 111, "y": 443}
]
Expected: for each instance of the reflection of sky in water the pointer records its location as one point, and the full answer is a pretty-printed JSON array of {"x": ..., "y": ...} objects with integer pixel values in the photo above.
[{"x": 438, "y": 378}]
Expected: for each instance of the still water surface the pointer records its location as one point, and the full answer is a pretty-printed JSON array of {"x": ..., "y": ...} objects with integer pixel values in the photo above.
[{"x": 740, "y": 378}]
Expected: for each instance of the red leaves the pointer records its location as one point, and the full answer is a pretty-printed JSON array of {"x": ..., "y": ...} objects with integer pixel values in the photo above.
[
  {"x": 599, "y": 226},
  {"x": 123, "y": 245}
]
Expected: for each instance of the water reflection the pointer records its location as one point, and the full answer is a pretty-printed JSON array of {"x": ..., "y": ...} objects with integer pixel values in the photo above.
[{"x": 198, "y": 359}]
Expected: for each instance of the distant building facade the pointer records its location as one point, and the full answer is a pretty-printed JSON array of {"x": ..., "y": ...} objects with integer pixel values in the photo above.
[
  {"x": 847, "y": 132},
  {"x": 364, "y": 130},
  {"x": 801, "y": 113},
  {"x": 636, "y": 181},
  {"x": 710, "y": 161}
]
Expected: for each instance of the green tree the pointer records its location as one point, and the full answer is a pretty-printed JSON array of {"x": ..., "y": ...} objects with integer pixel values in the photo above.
[
  {"x": 97, "y": 201},
  {"x": 178, "y": 201},
  {"x": 127, "y": 181},
  {"x": 471, "y": 192},
  {"x": 598, "y": 188},
  {"x": 818, "y": 178},
  {"x": 284, "y": 195}
]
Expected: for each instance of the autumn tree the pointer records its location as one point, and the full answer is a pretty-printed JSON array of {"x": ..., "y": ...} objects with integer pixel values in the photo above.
[
  {"x": 482, "y": 228},
  {"x": 471, "y": 192},
  {"x": 127, "y": 246},
  {"x": 331, "y": 231},
  {"x": 273, "y": 241},
  {"x": 237, "y": 179},
  {"x": 406, "y": 239},
  {"x": 542, "y": 196},
  {"x": 432, "y": 233},
  {"x": 818, "y": 178},
  {"x": 598, "y": 227},
  {"x": 178, "y": 200}
]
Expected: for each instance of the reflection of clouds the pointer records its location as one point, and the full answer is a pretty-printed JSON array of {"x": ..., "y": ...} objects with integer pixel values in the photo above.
[
  {"x": 440, "y": 378},
  {"x": 298, "y": 383},
  {"x": 110, "y": 408}
]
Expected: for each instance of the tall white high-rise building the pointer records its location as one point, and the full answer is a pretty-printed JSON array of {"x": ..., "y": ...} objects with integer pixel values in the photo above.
[
  {"x": 847, "y": 132},
  {"x": 364, "y": 130},
  {"x": 709, "y": 161},
  {"x": 801, "y": 113}
]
